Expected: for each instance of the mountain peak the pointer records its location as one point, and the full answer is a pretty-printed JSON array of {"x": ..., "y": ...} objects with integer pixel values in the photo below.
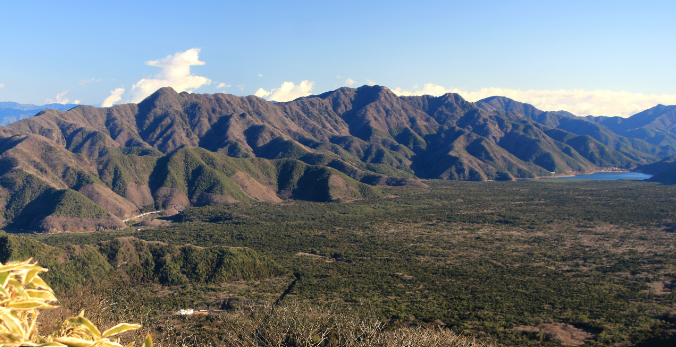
[
  {"x": 164, "y": 95},
  {"x": 202, "y": 149}
]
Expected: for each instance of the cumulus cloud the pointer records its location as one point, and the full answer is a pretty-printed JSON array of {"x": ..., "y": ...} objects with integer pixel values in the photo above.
[
  {"x": 223, "y": 85},
  {"x": 241, "y": 86},
  {"x": 60, "y": 99},
  {"x": 371, "y": 82},
  {"x": 175, "y": 73},
  {"x": 115, "y": 96},
  {"x": 578, "y": 101},
  {"x": 260, "y": 75},
  {"x": 287, "y": 91},
  {"x": 2, "y": 85},
  {"x": 350, "y": 82}
]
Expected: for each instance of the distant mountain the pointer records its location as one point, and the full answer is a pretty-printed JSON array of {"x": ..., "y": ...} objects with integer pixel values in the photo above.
[
  {"x": 656, "y": 125},
  {"x": 636, "y": 149},
  {"x": 664, "y": 171},
  {"x": 11, "y": 112},
  {"x": 90, "y": 168}
]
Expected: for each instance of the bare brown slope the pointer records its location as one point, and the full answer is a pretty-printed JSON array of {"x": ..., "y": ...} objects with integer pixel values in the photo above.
[
  {"x": 58, "y": 169},
  {"x": 255, "y": 189},
  {"x": 109, "y": 201},
  {"x": 43, "y": 158}
]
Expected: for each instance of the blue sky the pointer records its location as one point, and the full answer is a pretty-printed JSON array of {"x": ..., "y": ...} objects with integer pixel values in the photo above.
[{"x": 589, "y": 57}]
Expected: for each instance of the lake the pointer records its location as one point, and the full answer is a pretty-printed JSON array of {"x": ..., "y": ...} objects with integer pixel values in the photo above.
[{"x": 606, "y": 176}]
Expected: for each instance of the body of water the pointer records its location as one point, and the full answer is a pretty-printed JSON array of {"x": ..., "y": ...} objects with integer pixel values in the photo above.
[{"x": 607, "y": 176}]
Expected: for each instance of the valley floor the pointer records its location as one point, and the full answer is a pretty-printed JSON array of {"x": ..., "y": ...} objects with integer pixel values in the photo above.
[{"x": 519, "y": 263}]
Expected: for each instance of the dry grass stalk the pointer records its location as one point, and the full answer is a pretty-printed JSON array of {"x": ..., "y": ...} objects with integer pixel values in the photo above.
[{"x": 300, "y": 325}]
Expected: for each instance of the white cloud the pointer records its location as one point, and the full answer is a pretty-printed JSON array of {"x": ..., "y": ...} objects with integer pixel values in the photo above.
[
  {"x": 241, "y": 86},
  {"x": 262, "y": 93},
  {"x": 428, "y": 89},
  {"x": 175, "y": 73},
  {"x": 85, "y": 82},
  {"x": 59, "y": 99},
  {"x": 223, "y": 85},
  {"x": 76, "y": 101},
  {"x": 287, "y": 91},
  {"x": 2, "y": 85},
  {"x": 578, "y": 101},
  {"x": 115, "y": 96},
  {"x": 260, "y": 75},
  {"x": 338, "y": 76},
  {"x": 371, "y": 82},
  {"x": 350, "y": 82}
]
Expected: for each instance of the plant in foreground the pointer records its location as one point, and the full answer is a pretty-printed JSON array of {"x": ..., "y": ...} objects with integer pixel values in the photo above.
[{"x": 23, "y": 294}]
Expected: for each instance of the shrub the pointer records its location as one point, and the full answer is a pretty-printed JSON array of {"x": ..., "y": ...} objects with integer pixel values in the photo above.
[
  {"x": 23, "y": 294},
  {"x": 296, "y": 324}
]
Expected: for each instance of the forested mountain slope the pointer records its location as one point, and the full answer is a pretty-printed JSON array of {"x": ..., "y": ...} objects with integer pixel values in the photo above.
[
  {"x": 656, "y": 125},
  {"x": 90, "y": 168},
  {"x": 634, "y": 148}
]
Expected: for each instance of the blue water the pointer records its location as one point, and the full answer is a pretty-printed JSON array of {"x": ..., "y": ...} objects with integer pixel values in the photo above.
[{"x": 607, "y": 176}]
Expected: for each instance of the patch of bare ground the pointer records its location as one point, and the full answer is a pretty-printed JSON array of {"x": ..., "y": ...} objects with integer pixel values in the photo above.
[
  {"x": 53, "y": 224},
  {"x": 660, "y": 288},
  {"x": 568, "y": 334},
  {"x": 110, "y": 201},
  {"x": 340, "y": 189},
  {"x": 404, "y": 276},
  {"x": 303, "y": 254},
  {"x": 139, "y": 195},
  {"x": 153, "y": 223},
  {"x": 171, "y": 196},
  {"x": 255, "y": 189}
]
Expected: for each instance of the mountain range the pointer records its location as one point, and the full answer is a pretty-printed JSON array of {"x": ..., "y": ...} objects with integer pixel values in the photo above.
[{"x": 91, "y": 168}]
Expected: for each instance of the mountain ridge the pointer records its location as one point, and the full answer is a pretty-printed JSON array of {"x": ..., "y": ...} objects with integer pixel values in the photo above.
[
  {"x": 656, "y": 125},
  {"x": 181, "y": 149}
]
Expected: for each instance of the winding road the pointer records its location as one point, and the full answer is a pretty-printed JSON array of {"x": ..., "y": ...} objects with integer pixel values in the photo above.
[{"x": 141, "y": 215}]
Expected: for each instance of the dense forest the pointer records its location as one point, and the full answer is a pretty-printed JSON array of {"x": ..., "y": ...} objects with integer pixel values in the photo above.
[{"x": 520, "y": 263}]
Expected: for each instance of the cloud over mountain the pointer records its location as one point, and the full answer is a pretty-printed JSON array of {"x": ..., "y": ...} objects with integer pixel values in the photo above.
[
  {"x": 287, "y": 91},
  {"x": 175, "y": 73},
  {"x": 115, "y": 96},
  {"x": 579, "y": 101},
  {"x": 60, "y": 99}
]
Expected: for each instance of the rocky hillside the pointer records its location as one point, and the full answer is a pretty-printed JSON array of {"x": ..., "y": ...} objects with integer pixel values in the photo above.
[{"x": 91, "y": 168}]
